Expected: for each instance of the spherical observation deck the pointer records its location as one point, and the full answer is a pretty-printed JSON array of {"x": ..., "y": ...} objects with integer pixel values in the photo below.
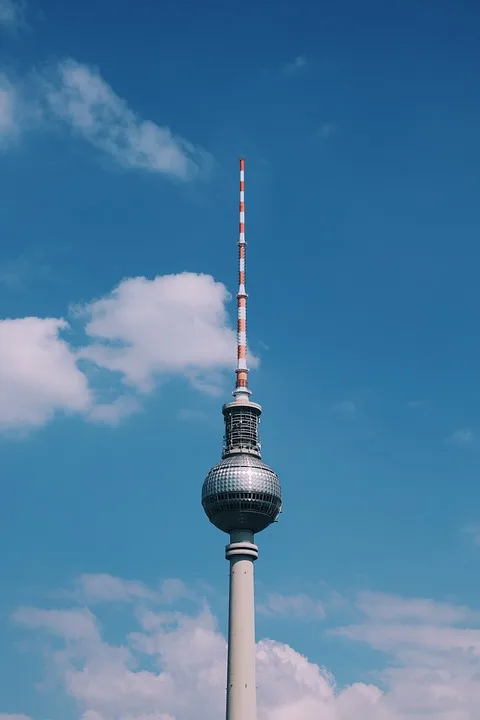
[{"x": 241, "y": 493}]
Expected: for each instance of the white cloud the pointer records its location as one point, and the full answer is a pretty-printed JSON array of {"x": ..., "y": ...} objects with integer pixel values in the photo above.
[
  {"x": 172, "y": 665},
  {"x": 12, "y": 13},
  {"x": 385, "y": 607},
  {"x": 13, "y": 716},
  {"x": 101, "y": 588},
  {"x": 73, "y": 624},
  {"x": 173, "y": 324},
  {"x": 109, "y": 681},
  {"x": 77, "y": 94},
  {"x": 8, "y": 110},
  {"x": 39, "y": 373},
  {"x": 300, "y": 606},
  {"x": 462, "y": 437},
  {"x": 112, "y": 413},
  {"x": 143, "y": 332},
  {"x": 434, "y": 663},
  {"x": 93, "y": 588},
  {"x": 347, "y": 407},
  {"x": 20, "y": 110},
  {"x": 295, "y": 65}
]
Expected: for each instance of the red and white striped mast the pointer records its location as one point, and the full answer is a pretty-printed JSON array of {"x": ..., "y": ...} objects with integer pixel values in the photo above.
[{"x": 241, "y": 391}]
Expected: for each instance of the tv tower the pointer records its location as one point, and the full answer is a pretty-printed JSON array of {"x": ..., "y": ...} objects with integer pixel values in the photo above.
[{"x": 241, "y": 495}]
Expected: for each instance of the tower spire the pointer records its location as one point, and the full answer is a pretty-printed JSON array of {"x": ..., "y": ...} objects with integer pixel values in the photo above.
[{"x": 241, "y": 391}]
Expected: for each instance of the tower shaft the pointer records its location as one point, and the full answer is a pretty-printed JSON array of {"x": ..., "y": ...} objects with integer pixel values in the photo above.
[{"x": 241, "y": 689}]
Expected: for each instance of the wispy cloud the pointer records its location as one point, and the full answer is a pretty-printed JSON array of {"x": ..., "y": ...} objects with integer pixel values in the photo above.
[
  {"x": 77, "y": 94},
  {"x": 12, "y": 14},
  {"x": 113, "y": 412},
  {"x": 434, "y": 653},
  {"x": 462, "y": 437},
  {"x": 73, "y": 95},
  {"x": 326, "y": 130},
  {"x": 384, "y": 607},
  {"x": 300, "y": 606},
  {"x": 72, "y": 624},
  {"x": 295, "y": 65},
  {"x": 8, "y": 110},
  {"x": 94, "y": 589},
  {"x": 346, "y": 407},
  {"x": 171, "y": 664}
]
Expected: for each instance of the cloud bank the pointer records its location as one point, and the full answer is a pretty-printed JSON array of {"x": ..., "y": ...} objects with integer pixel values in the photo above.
[
  {"x": 171, "y": 664},
  {"x": 142, "y": 332},
  {"x": 172, "y": 324}
]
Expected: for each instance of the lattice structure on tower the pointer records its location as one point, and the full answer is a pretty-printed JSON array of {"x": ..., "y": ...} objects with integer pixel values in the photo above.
[{"x": 241, "y": 429}]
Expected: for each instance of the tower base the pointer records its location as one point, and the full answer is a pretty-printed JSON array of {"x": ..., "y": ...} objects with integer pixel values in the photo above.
[{"x": 241, "y": 688}]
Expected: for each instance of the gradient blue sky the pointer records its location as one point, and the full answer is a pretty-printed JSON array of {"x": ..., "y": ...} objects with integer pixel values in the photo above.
[{"x": 360, "y": 125}]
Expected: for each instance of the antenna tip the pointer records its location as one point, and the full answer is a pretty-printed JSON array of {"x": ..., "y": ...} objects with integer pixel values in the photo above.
[{"x": 242, "y": 163}]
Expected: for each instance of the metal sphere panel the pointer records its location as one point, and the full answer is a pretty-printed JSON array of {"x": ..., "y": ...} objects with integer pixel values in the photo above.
[
  {"x": 242, "y": 491},
  {"x": 241, "y": 472}
]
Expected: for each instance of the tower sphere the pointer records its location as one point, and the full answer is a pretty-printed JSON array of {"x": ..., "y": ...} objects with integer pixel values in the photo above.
[{"x": 241, "y": 492}]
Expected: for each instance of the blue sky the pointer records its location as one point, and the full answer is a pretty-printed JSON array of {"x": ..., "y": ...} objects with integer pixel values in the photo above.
[{"x": 120, "y": 131}]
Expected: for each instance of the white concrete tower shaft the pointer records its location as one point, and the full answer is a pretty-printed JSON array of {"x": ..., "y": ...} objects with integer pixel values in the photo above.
[{"x": 241, "y": 688}]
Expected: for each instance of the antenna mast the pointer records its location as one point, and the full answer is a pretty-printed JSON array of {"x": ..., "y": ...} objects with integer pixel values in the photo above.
[{"x": 241, "y": 391}]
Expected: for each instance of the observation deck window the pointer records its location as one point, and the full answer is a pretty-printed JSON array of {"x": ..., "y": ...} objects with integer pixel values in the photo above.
[{"x": 241, "y": 431}]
